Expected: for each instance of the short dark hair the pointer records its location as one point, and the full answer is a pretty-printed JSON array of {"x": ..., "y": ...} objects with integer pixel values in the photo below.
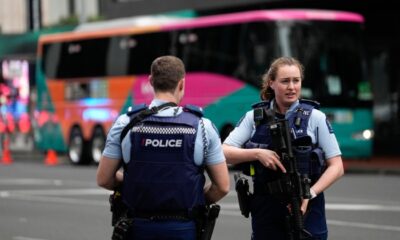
[{"x": 166, "y": 72}]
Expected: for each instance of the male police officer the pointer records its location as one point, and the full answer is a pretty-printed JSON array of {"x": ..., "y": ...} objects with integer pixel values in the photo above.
[{"x": 164, "y": 155}]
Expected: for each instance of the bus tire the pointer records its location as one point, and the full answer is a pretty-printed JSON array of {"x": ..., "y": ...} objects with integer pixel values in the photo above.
[
  {"x": 97, "y": 144},
  {"x": 77, "y": 149}
]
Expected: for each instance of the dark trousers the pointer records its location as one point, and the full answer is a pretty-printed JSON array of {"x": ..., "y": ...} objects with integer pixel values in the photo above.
[
  {"x": 144, "y": 229},
  {"x": 268, "y": 219}
]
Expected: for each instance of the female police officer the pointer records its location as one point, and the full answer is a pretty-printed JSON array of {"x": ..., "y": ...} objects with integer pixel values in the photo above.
[
  {"x": 281, "y": 91},
  {"x": 164, "y": 155}
]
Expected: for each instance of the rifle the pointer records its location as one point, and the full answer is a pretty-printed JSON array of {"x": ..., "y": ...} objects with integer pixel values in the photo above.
[{"x": 296, "y": 186}]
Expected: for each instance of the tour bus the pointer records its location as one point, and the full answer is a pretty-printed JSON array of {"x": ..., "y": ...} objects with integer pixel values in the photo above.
[{"x": 85, "y": 79}]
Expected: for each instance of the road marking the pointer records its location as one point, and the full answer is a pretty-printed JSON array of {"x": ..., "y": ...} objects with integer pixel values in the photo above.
[
  {"x": 48, "y": 199},
  {"x": 31, "y": 181},
  {"x": 364, "y": 225},
  {"x": 61, "y": 192},
  {"x": 26, "y": 238},
  {"x": 363, "y": 200},
  {"x": 362, "y": 207},
  {"x": 338, "y": 207},
  {"x": 334, "y": 223},
  {"x": 43, "y": 182}
]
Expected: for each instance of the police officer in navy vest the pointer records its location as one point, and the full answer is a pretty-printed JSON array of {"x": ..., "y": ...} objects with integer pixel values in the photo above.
[
  {"x": 319, "y": 156},
  {"x": 164, "y": 155}
]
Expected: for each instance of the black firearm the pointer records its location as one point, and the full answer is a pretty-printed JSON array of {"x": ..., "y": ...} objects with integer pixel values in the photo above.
[{"x": 296, "y": 186}]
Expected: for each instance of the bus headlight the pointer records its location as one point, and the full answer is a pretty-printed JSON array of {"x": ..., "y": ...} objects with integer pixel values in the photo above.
[{"x": 366, "y": 134}]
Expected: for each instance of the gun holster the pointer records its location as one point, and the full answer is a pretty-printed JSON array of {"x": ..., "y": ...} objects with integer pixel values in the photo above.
[
  {"x": 243, "y": 193},
  {"x": 121, "y": 228},
  {"x": 206, "y": 221},
  {"x": 120, "y": 220},
  {"x": 117, "y": 207}
]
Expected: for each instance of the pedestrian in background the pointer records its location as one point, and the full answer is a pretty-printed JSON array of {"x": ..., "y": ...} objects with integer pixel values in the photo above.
[{"x": 250, "y": 141}]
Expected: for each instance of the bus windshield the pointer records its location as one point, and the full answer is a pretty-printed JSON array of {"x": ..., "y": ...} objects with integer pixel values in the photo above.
[{"x": 332, "y": 55}]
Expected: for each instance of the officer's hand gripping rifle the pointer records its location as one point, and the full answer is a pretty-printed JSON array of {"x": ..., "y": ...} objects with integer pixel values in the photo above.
[{"x": 297, "y": 187}]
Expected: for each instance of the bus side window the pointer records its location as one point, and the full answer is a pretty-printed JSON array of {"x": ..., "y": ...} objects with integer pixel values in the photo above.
[
  {"x": 76, "y": 59},
  {"x": 192, "y": 49},
  {"x": 148, "y": 47},
  {"x": 228, "y": 48},
  {"x": 77, "y": 91},
  {"x": 257, "y": 49},
  {"x": 213, "y": 49},
  {"x": 51, "y": 59},
  {"x": 118, "y": 55},
  {"x": 176, "y": 47}
]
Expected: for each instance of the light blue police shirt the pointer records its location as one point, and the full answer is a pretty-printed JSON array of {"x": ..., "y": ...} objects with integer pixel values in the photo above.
[
  {"x": 214, "y": 153},
  {"x": 318, "y": 129}
]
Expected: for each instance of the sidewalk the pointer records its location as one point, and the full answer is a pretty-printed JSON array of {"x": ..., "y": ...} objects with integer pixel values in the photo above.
[{"x": 375, "y": 165}]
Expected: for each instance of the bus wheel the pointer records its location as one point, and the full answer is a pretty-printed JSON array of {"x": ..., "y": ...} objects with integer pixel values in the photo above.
[
  {"x": 76, "y": 147},
  {"x": 97, "y": 144},
  {"x": 226, "y": 129}
]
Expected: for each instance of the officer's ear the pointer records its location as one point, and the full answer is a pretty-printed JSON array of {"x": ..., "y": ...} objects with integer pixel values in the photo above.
[
  {"x": 270, "y": 84},
  {"x": 151, "y": 80},
  {"x": 181, "y": 84}
]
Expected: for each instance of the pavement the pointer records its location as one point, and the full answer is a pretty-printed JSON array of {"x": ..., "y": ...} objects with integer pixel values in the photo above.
[
  {"x": 374, "y": 165},
  {"x": 22, "y": 150},
  {"x": 389, "y": 165}
]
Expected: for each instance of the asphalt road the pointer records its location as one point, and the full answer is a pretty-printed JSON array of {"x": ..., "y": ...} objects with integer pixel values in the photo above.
[{"x": 39, "y": 202}]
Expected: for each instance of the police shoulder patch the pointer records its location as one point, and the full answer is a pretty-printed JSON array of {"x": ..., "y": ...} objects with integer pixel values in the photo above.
[
  {"x": 261, "y": 104},
  {"x": 313, "y": 103},
  {"x": 136, "y": 108},
  {"x": 328, "y": 124},
  {"x": 193, "y": 109}
]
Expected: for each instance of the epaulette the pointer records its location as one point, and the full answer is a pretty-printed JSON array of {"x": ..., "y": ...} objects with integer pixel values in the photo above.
[
  {"x": 261, "y": 104},
  {"x": 136, "y": 108},
  {"x": 313, "y": 103},
  {"x": 198, "y": 111}
]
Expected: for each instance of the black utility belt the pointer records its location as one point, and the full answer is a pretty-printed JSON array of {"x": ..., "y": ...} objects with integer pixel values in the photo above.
[{"x": 164, "y": 215}]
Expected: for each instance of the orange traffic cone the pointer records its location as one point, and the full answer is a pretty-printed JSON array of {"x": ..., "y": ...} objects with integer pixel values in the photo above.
[
  {"x": 6, "y": 158},
  {"x": 51, "y": 158}
]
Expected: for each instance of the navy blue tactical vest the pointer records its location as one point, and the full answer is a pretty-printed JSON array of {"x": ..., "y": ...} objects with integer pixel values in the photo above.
[
  {"x": 309, "y": 157},
  {"x": 161, "y": 175}
]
